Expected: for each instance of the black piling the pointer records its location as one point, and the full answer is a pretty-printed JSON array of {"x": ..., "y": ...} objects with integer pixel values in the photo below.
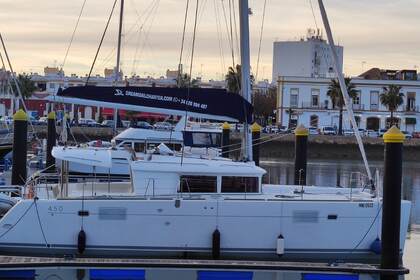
[
  {"x": 391, "y": 208},
  {"x": 51, "y": 140},
  {"x": 215, "y": 250},
  {"x": 256, "y": 135},
  {"x": 225, "y": 140},
  {"x": 301, "y": 147},
  {"x": 20, "y": 136}
]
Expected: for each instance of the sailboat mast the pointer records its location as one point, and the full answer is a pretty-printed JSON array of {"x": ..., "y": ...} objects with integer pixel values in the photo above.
[
  {"x": 117, "y": 67},
  {"x": 245, "y": 71}
]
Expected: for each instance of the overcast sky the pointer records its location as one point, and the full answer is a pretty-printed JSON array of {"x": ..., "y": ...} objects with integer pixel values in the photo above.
[{"x": 381, "y": 33}]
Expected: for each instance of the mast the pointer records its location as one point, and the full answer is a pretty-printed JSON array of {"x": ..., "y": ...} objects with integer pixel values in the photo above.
[
  {"x": 245, "y": 72},
  {"x": 343, "y": 88},
  {"x": 117, "y": 67}
]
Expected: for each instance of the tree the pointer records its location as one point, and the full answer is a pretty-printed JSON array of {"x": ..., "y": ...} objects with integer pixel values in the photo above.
[
  {"x": 131, "y": 115},
  {"x": 264, "y": 103},
  {"x": 337, "y": 99},
  {"x": 183, "y": 81},
  {"x": 392, "y": 98},
  {"x": 233, "y": 79},
  {"x": 26, "y": 85}
]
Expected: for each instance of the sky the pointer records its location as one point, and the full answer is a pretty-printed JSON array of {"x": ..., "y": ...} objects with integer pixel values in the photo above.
[{"x": 375, "y": 33}]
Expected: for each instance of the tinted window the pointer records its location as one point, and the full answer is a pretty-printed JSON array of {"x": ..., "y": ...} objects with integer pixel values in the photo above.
[
  {"x": 202, "y": 184},
  {"x": 139, "y": 147},
  {"x": 239, "y": 184}
]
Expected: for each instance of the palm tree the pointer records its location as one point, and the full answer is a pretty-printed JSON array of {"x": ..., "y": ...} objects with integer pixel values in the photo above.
[
  {"x": 392, "y": 98},
  {"x": 233, "y": 79},
  {"x": 26, "y": 86},
  {"x": 184, "y": 81},
  {"x": 337, "y": 99}
]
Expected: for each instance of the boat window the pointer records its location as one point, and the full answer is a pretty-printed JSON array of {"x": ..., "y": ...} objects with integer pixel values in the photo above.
[
  {"x": 174, "y": 146},
  {"x": 231, "y": 184},
  {"x": 216, "y": 139},
  {"x": 118, "y": 142},
  {"x": 201, "y": 184},
  {"x": 139, "y": 147}
]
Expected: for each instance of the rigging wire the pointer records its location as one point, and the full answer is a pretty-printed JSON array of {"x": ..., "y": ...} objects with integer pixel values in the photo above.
[
  {"x": 219, "y": 37},
  {"x": 140, "y": 29},
  {"x": 231, "y": 33},
  {"x": 73, "y": 34},
  {"x": 230, "y": 40},
  {"x": 100, "y": 43},
  {"x": 182, "y": 42},
  {"x": 109, "y": 56},
  {"x": 20, "y": 96},
  {"x": 236, "y": 28},
  {"x": 191, "y": 66},
  {"x": 259, "y": 44}
]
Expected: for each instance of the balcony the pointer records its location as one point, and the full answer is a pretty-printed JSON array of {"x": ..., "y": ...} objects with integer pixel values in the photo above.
[{"x": 309, "y": 105}]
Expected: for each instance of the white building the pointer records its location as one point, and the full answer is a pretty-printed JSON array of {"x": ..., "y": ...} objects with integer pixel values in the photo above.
[
  {"x": 307, "y": 97},
  {"x": 309, "y": 57}
]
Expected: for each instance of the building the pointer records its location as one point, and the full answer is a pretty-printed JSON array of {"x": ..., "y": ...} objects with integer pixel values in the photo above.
[
  {"x": 304, "y": 100},
  {"x": 309, "y": 57}
]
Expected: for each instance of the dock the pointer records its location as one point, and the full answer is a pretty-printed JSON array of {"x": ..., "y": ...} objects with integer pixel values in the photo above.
[{"x": 20, "y": 262}]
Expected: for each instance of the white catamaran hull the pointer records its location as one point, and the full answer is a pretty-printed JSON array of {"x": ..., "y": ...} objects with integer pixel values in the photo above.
[{"x": 166, "y": 228}]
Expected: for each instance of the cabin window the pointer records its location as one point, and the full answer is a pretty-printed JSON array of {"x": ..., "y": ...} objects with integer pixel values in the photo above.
[
  {"x": 198, "y": 184},
  {"x": 139, "y": 147},
  {"x": 174, "y": 146},
  {"x": 232, "y": 184}
]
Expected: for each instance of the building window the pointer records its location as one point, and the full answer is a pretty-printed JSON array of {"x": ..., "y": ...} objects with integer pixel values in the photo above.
[
  {"x": 315, "y": 97},
  {"x": 231, "y": 184},
  {"x": 313, "y": 121},
  {"x": 52, "y": 86},
  {"x": 356, "y": 99},
  {"x": 294, "y": 97},
  {"x": 198, "y": 184},
  {"x": 374, "y": 100},
  {"x": 411, "y": 101}
]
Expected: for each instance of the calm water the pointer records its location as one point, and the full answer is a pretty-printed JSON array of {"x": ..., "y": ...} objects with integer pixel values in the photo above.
[{"x": 325, "y": 173}]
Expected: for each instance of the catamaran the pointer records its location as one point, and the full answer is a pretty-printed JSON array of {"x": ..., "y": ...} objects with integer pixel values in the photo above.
[{"x": 178, "y": 206}]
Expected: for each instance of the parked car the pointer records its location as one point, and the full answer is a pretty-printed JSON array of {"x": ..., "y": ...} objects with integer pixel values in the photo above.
[
  {"x": 328, "y": 130},
  {"x": 313, "y": 131},
  {"x": 143, "y": 124},
  {"x": 348, "y": 132},
  {"x": 416, "y": 134},
  {"x": 126, "y": 124},
  {"x": 108, "y": 123},
  {"x": 407, "y": 134},
  {"x": 362, "y": 132},
  {"x": 88, "y": 122},
  {"x": 7, "y": 119},
  {"x": 163, "y": 126},
  {"x": 372, "y": 133},
  {"x": 382, "y": 132}
]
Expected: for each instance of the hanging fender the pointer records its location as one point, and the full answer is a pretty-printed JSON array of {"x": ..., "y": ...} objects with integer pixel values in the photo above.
[
  {"x": 280, "y": 245},
  {"x": 81, "y": 241},
  {"x": 215, "y": 250}
]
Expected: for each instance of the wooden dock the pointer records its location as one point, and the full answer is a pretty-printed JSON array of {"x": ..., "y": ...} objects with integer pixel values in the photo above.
[{"x": 18, "y": 262}]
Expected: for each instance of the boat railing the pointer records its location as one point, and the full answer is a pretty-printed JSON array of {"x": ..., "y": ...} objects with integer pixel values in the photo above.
[{"x": 44, "y": 184}]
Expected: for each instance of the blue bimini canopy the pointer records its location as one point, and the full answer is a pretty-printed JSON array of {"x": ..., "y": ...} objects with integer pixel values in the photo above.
[{"x": 217, "y": 104}]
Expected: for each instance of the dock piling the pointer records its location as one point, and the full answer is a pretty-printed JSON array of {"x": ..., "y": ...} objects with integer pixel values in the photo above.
[
  {"x": 256, "y": 134},
  {"x": 225, "y": 140},
  {"x": 391, "y": 207},
  {"x": 301, "y": 147},
  {"x": 20, "y": 136},
  {"x": 51, "y": 140}
]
